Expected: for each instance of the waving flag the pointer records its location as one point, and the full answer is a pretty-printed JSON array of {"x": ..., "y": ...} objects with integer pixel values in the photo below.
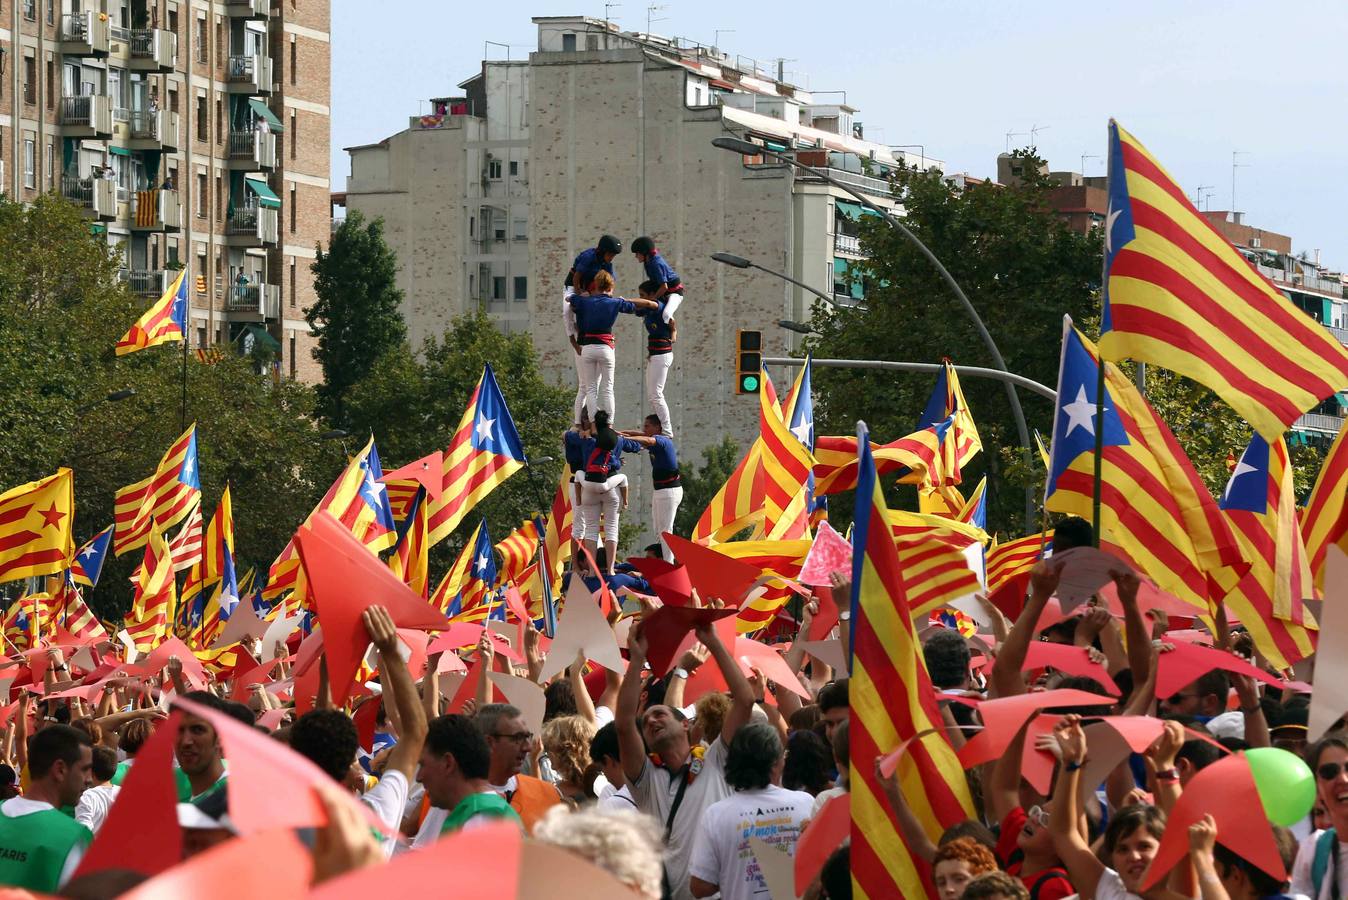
[
  {"x": 891, "y": 701},
  {"x": 518, "y": 550},
  {"x": 484, "y": 452},
  {"x": 738, "y": 503},
  {"x": 1179, "y": 295},
  {"x": 69, "y": 608},
  {"x": 1261, "y": 507},
  {"x": 448, "y": 594},
  {"x": 160, "y": 501},
  {"x": 916, "y": 457},
  {"x": 798, "y": 414},
  {"x": 781, "y": 559},
  {"x": 26, "y": 621},
  {"x": 35, "y": 527},
  {"x": 218, "y": 541},
  {"x": 787, "y": 464},
  {"x": 961, "y": 443},
  {"x": 186, "y": 544},
  {"x": 164, "y": 322},
  {"x": 87, "y": 566},
  {"x": 557, "y": 539},
  {"x": 473, "y": 604},
  {"x": 155, "y": 597},
  {"x": 1154, "y": 510},
  {"x": 1013, "y": 559},
  {"x": 409, "y": 560},
  {"x": 1325, "y": 521}
]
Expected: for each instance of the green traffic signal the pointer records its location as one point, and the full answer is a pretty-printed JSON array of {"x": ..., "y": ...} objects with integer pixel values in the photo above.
[{"x": 749, "y": 384}]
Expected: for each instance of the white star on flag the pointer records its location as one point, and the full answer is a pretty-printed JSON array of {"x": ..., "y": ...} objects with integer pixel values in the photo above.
[
  {"x": 1241, "y": 468},
  {"x": 482, "y": 564},
  {"x": 484, "y": 427},
  {"x": 1110, "y": 216},
  {"x": 1080, "y": 413},
  {"x": 802, "y": 432}
]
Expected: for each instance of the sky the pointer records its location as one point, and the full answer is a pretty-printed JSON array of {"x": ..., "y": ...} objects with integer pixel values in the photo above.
[{"x": 1193, "y": 81}]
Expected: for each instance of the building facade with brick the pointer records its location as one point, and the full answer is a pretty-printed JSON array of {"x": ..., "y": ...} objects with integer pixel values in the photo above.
[{"x": 192, "y": 134}]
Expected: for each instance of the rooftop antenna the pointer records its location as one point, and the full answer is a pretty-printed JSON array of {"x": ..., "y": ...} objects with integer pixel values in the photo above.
[
  {"x": 1235, "y": 154},
  {"x": 1084, "y": 157},
  {"x": 1034, "y": 132},
  {"x": 716, "y": 36},
  {"x": 1011, "y": 134},
  {"x": 781, "y": 67},
  {"x": 608, "y": 8},
  {"x": 651, "y": 17},
  {"x": 1198, "y": 194},
  {"x": 486, "y": 44}
]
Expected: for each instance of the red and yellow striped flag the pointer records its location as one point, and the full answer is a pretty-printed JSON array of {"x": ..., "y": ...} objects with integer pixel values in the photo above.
[
  {"x": 164, "y": 322},
  {"x": 1325, "y": 520},
  {"x": 935, "y": 572},
  {"x": 218, "y": 541},
  {"x": 891, "y": 701},
  {"x": 557, "y": 542},
  {"x": 517, "y": 550},
  {"x": 779, "y": 558},
  {"x": 409, "y": 560},
  {"x": 915, "y": 456},
  {"x": 961, "y": 442},
  {"x": 160, "y": 501},
  {"x": 35, "y": 527},
  {"x": 186, "y": 544},
  {"x": 738, "y": 503},
  {"x": 457, "y": 576},
  {"x": 787, "y": 464},
  {"x": 155, "y": 597},
  {"x": 1012, "y": 559},
  {"x": 1179, "y": 295}
]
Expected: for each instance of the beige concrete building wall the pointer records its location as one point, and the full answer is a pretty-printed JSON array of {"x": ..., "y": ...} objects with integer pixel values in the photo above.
[{"x": 615, "y": 149}]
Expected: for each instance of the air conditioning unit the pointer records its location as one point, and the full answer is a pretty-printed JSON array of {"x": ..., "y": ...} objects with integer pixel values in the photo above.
[{"x": 1255, "y": 242}]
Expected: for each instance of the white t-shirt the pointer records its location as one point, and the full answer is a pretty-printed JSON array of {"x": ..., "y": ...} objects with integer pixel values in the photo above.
[
  {"x": 654, "y": 791},
  {"x": 619, "y": 799},
  {"x": 824, "y": 797},
  {"x": 1110, "y": 888},
  {"x": 22, "y": 806},
  {"x": 388, "y": 799},
  {"x": 429, "y": 832},
  {"x": 1302, "y": 883},
  {"x": 92, "y": 810},
  {"x": 721, "y": 853}
]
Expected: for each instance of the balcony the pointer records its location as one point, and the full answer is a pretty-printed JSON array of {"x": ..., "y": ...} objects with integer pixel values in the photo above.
[
  {"x": 253, "y": 302},
  {"x": 156, "y": 130},
  {"x": 249, "y": 74},
  {"x": 85, "y": 34},
  {"x": 252, "y": 151},
  {"x": 96, "y": 196},
  {"x": 847, "y": 243},
  {"x": 153, "y": 50},
  {"x": 89, "y": 116},
  {"x": 866, "y": 184},
  {"x": 145, "y": 283},
  {"x": 1318, "y": 422},
  {"x": 249, "y": 9},
  {"x": 156, "y": 210},
  {"x": 252, "y": 226}
]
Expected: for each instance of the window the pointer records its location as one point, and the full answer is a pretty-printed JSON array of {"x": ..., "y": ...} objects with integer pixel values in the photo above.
[
  {"x": 514, "y": 168},
  {"x": 173, "y": 22},
  {"x": 51, "y": 164},
  {"x": 51, "y": 12},
  {"x": 498, "y": 287},
  {"x": 201, "y": 262},
  {"x": 219, "y": 42},
  {"x": 521, "y": 229},
  {"x": 30, "y": 10},
  {"x": 568, "y": 43},
  {"x": 200, "y": 39},
  {"x": 472, "y": 226},
  {"x": 521, "y": 287},
  {"x": 201, "y": 335},
  {"x": 591, "y": 42},
  {"x": 220, "y": 197},
  {"x": 292, "y": 282},
  {"x": 293, "y": 209},
  {"x": 30, "y": 80},
  {"x": 201, "y": 209},
  {"x": 173, "y": 99},
  {"x": 292, "y": 354},
  {"x": 51, "y": 81},
  {"x": 293, "y": 137},
  {"x": 203, "y": 120},
  {"x": 29, "y": 163},
  {"x": 220, "y": 118},
  {"x": 499, "y": 230},
  {"x": 494, "y": 169},
  {"x": 171, "y": 251},
  {"x": 294, "y": 69}
]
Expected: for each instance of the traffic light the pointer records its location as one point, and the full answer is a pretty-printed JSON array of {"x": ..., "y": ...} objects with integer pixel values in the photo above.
[{"x": 748, "y": 361}]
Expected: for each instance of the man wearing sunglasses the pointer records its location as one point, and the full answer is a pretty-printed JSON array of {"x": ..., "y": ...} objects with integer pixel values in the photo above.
[
  {"x": 1321, "y": 868},
  {"x": 509, "y": 739}
]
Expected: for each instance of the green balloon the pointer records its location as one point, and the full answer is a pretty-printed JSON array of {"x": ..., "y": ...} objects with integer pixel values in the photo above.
[{"x": 1285, "y": 783}]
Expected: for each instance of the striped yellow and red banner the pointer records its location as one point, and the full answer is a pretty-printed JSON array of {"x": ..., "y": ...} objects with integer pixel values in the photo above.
[
  {"x": 935, "y": 572},
  {"x": 160, "y": 501},
  {"x": 517, "y": 550},
  {"x": 155, "y": 597},
  {"x": 1012, "y": 559},
  {"x": 891, "y": 701},
  {"x": 1179, "y": 295},
  {"x": 35, "y": 527},
  {"x": 738, "y": 503},
  {"x": 1325, "y": 520},
  {"x": 787, "y": 464},
  {"x": 187, "y": 543}
]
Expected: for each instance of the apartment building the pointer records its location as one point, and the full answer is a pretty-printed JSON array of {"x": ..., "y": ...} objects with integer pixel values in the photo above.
[
  {"x": 192, "y": 134},
  {"x": 489, "y": 194}
]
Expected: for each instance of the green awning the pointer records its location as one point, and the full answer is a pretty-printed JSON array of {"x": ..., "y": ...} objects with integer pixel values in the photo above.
[
  {"x": 849, "y": 209},
  {"x": 264, "y": 193},
  {"x": 844, "y": 275},
  {"x": 261, "y": 336},
  {"x": 265, "y": 112},
  {"x": 98, "y": 229},
  {"x": 119, "y": 151}
]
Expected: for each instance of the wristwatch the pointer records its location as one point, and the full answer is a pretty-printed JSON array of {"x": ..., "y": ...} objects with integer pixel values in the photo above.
[
  {"x": 679, "y": 672},
  {"x": 1170, "y": 774}
]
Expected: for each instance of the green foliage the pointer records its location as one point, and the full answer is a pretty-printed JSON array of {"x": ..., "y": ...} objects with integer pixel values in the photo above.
[
  {"x": 357, "y": 317},
  {"x": 413, "y": 404},
  {"x": 61, "y": 312},
  {"x": 1021, "y": 268},
  {"x": 700, "y": 486}
]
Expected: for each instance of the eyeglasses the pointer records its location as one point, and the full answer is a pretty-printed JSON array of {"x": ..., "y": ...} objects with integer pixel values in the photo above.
[
  {"x": 1329, "y": 771},
  {"x": 1038, "y": 815},
  {"x": 522, "y": 737}
]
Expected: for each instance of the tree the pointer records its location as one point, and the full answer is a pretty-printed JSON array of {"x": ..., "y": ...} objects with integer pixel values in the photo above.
[
  {"x": 357, "y": 317},
  {"x": 413, "y": 403},
  {"x": 1022, "y": 269},
  {"x": 699, "y": 487},
  {"x": 61, "y": 311}
]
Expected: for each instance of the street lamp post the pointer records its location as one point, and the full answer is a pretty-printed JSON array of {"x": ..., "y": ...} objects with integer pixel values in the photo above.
[
  {"x": 739, "y": 262},
  {"x": 747, "y": 148}
]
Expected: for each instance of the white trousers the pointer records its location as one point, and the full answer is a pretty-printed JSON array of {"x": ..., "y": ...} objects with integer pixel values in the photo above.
[
  {"x": 602, "y": 498},
  {"x": 579, "y": 525},
  {"x": 580, "y": 389},
  {"x": 597, "y": 363},
  {"x": 657, "y": 372},
  {"x": 672, "y": 302},
  {"x": 664, "y": 507},
  {"x": 569, "y": 323}
]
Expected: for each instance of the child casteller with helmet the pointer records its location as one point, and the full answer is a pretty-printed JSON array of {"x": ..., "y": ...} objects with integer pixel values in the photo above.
[
  {"x": 664, "y": 286},
  {"x": 580, "y": 280}
]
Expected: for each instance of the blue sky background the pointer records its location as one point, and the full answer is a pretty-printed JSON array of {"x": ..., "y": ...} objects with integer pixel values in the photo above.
[{"x": 1193, "y": 81}]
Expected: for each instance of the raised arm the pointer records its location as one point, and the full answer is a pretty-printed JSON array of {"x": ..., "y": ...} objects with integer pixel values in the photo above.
[
  {"x": 584, "y": 705},
  {"x": 1006, "y": 678},
  {"x": 916, "y": 836},
  {"x": 741, "y": 693},
  {"x": 631, "y": 746},
  {"x": 1003, "y": 789},
  {"x": 397, "y": 681},
  {"x": 1083, "y": 865},
  {"x": 1134, "y": 627}
]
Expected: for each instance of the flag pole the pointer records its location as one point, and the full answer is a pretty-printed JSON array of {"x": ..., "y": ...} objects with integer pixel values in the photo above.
[
  {"x": 183, "y": 417},
  {"x": 1099, "y": 358}
]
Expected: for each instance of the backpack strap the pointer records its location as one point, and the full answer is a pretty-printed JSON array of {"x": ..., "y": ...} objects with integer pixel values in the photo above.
[
  {"x": 1045, "y": 878},
  {"x": 1324, "y": 858}
]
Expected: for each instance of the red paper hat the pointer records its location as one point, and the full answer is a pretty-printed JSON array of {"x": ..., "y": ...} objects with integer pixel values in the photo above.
[
  {"x": 1002, "y": 718},
  {"x": 429, "y": 472},
  {"x": 344, "y": 579},
  {"x": 1188, "y": 662},
  {"x": 667, "y": 629},
  {"x": 715, "y": 575}
]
